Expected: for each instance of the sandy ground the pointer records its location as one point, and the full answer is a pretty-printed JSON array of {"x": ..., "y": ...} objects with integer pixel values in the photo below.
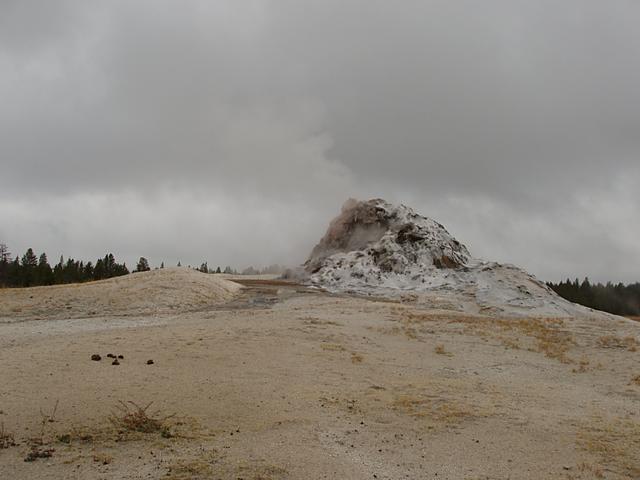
[{"x": 283, "y": 382}]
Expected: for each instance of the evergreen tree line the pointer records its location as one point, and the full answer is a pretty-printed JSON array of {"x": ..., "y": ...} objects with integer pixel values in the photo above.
[
  {"x": 274, "y": 269},
  {"x": 618, "y": 299},
  {"x": 271, "y": 269},
  {"x": 204, "y": 268},
  {"x": 31, "y": 270}
]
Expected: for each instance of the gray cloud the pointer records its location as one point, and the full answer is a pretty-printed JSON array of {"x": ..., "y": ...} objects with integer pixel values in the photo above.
[{"x": 236, "y": 129}]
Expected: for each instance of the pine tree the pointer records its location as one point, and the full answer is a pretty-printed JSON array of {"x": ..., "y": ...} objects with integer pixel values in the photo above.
[
  {"x": 5, "y": 260},
  {"x": 5, "y": 255},
  {"x": 57, "y": 271},
  {"x": 14, "y": 273},
  {"x": 29, "y": 265},
  {"x": 110, "y": 265},
  {"x": 98, "y": 271},
  {"x": 44, "y": 274},
  {"x": 88, "y": 271},
  {"x": 143, "y": 265}
]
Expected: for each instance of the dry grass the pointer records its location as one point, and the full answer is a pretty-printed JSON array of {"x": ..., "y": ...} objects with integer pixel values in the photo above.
[
  {"x": 440, "y": 350},
  {"x": 611, "y": 341},
  {"x": 356, "y": 358},
  {"x": 102, "y": 458},
  {"x": 129, "y": 423},
  {"x": 209, "y": 464},
  {"x": 582, "y": 366},
  {"x": 411, "y": 332},
  {"x": 260, "y": 472},
  {"x": 317, "y": 321},
  {"x": 615, "y": 441},
  {"x": 543, "y": 335},
  {"x": 332, "y": 347},
  {"x": 198, "y": 468},
  {"x": 589, "y": 468},
  {"x": 38, "y": 452},
  {"x": 134, "y": 418},
  {"x": 433, "y": 403},
  {"x": 45, "y": 420},
  {"x": 351, "y": 404},
  {"x": 435, "y": 411},
  {"x": 6, "y": 438}
]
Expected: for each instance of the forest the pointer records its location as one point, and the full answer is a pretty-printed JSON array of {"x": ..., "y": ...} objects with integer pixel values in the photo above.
[
  {"x": 32, "y": 270},
  {"x": 617, "y": 298}
]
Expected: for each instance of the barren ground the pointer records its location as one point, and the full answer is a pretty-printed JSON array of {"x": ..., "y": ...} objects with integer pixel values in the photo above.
[{"x": 284, "y": 382}]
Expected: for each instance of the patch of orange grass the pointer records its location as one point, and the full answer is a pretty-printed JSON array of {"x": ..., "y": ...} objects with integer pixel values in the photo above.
[
  {"x": 548, "y": 334},
  {"x": 616, "y": 441},
  {"x": 611, "y": 341},
  {"x": 436, "y": 411}
]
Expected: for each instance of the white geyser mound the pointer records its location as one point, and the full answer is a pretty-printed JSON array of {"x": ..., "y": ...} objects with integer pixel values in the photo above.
[{"x": 379, "y": 249}]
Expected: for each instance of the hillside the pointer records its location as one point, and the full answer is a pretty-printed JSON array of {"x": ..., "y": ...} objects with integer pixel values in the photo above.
[{"x": 154, "y": 292}]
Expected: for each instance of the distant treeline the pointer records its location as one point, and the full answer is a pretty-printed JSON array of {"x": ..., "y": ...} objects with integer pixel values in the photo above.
[
  {"x": 274, "y": 269},
  {"x": 31, "y": 270},
  {"x": 618, "y": 299}
]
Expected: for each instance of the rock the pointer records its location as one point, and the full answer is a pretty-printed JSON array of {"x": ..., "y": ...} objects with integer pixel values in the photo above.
[{"x": 95, "y": 357}]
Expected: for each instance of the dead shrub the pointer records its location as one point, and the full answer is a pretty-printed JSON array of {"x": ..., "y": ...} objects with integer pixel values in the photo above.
[
  {"x": 133, "y": 418},
  {"x": 6, "y": 438},
  {"x": 37, "y": 452},
  {"x": 45, "y": 419}
]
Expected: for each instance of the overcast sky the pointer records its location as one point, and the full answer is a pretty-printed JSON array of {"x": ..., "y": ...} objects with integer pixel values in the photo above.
[{"x": 232, "y": 131}]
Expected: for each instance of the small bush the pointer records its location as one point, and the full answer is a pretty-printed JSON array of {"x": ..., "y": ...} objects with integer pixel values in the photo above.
[{"x": 134, "y": 418}]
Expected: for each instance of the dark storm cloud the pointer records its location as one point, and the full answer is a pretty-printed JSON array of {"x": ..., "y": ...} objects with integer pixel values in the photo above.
[{"x": 515, "y": 123}]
